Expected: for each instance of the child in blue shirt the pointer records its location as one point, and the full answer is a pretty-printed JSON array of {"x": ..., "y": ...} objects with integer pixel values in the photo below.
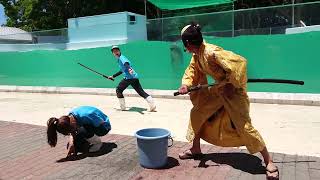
[
  {"x": 130, "y": 78},
  {"x": 84, "y": 124}
]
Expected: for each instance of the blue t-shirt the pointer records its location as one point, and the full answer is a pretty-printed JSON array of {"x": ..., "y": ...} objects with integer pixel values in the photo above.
[
  {"x": 87, "y": 115},
  {"x": 128, "y": 72}
]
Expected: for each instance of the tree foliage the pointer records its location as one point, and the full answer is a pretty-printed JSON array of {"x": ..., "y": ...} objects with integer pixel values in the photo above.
[{"x": 32, "y": 15}]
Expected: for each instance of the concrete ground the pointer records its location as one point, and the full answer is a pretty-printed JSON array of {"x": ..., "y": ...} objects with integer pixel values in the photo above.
[{"x": 289, "y": 129}]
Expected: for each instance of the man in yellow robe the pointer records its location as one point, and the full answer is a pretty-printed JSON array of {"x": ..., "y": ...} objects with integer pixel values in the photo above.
[{"x": 220, "y": 114}]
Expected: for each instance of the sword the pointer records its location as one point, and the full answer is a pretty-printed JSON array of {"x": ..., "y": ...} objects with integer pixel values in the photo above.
[
  {"x": 283, "y": 81},
  {"x": 95, "y": 71}
]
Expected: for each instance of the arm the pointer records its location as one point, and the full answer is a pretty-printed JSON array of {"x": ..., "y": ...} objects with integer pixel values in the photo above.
[
  {"x": 126, "y": 64},
  {"x": 128, "y": 67},
  {"x": 117, "y": 74},
  {"x": 70, "y": 145},
  {"x": 192, "y": 77},
  {"x": 234, "y": 66}
]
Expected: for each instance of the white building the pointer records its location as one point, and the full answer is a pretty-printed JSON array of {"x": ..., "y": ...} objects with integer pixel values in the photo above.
[{"x": 11, "y": 35}]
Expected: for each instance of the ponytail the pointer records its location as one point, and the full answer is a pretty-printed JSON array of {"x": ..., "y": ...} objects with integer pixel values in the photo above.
[{"x": 52, "y": 131}]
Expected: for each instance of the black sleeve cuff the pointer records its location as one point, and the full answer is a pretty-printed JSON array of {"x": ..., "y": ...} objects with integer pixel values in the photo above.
[{"x": 117, "y": 74}]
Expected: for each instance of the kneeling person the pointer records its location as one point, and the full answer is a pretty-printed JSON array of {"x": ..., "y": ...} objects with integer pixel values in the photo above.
[{"x": 84, "y": 125}]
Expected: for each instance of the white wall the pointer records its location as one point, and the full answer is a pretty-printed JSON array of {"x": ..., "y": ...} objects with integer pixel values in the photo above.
[
  {"x": 302, "y": 29},
  {"x": 93, "y": 31},
  {"x": 138, "y": 30},
  {"x": 107, "y": 27}
]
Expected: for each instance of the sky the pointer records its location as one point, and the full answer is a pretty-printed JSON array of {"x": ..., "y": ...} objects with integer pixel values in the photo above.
[{"x": 2, "y": 15}]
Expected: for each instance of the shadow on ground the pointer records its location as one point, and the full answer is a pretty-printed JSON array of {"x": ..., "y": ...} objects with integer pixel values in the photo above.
[
  {"x": 105, "y": 149},
  {"x": 172, "y": 162},
  {"x": 242, "y": 161},
  {"x": 137, "y": 109}
]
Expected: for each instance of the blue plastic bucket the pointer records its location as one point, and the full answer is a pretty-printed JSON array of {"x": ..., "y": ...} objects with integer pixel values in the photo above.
[{"x": 153, "y": 147}]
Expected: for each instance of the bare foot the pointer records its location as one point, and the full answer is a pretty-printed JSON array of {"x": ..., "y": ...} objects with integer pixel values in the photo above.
[
  {"x": 190, "y": 154},
  {"x": 272, "y": 172}
]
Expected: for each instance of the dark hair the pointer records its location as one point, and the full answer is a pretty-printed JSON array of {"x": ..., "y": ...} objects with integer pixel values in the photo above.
[
  {"x": 192, "y": 35},
  {"x": 61, "y": 125}
]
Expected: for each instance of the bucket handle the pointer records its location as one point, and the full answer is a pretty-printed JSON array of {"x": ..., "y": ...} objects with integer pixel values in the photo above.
[{"x": 169, "y": 137}]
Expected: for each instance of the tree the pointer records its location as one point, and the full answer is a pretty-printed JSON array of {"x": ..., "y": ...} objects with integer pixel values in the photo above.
[{"x": 33, "y": 15}]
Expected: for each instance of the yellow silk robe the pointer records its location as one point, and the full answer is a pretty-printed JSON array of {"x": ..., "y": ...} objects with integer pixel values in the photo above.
[{"x": 219, "y": 119}]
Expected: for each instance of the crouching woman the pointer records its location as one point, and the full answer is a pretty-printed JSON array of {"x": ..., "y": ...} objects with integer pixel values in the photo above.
[{"x": 84, "y": 125}]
